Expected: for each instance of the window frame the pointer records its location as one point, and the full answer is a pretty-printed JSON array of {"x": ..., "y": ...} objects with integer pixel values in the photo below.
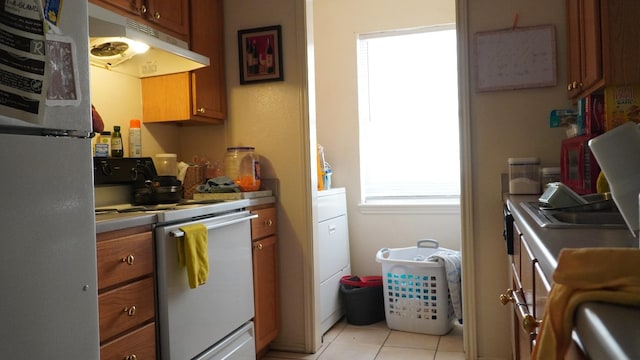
[{"x": 440, "y": 204}]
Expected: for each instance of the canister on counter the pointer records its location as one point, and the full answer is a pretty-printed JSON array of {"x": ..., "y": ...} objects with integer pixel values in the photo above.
[
  {"x": 166, "y": 164},
  {"x": 524, "y": 176},
  {"x": 242, "y": 165}
]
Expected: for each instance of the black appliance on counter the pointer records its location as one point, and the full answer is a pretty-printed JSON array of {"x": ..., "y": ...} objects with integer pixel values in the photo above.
[{"x": 146, "y": 187}]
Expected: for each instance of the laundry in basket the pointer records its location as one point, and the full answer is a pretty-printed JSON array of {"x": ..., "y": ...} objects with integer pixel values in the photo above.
[{"x": 416, "y": 289}]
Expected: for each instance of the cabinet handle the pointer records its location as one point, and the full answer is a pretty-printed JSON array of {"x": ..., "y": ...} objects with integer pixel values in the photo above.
[
  {"x": 129, "y": 259},
  {"x": 507, "y": 298},
  {"x": 200, "y": 110},
  {"x": 131, "y": 357},
  {"x": 130, "y": 310},
  {"x": 530, "y": 323},
  {"x": 156, "y": 15},
  {"x": 143, "y": 9},
  {"x": 269, "y": 223},
  {"x": 259, "y": 246}
]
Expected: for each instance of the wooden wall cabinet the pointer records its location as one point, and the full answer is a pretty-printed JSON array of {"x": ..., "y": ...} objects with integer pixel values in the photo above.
[
  {"x": 602, "y": 46},
  {"x": 198, "y": 96},
  {"x": 126, "y": 295},
  {"x": 170, "y": 16},
  {"x": 265, "y": 277}
]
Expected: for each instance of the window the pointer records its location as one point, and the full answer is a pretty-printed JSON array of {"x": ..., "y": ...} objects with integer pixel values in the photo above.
[{"x": 408, "y": 109}]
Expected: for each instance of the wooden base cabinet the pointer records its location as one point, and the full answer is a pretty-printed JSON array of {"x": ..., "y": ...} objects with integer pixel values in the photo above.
[
  {"x": 126, "y": 295},
  {"x": 198, "y": 96},
  {"x": 527, "y": 299},
  {"x": 265, "y": 277},
  {"x": 526, "y": 296}
]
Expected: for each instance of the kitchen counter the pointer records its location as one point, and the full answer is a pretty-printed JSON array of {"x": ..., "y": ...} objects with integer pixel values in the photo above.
[
  {"x": 117, "y": 221},
  {"x": 605, "y": 330}
]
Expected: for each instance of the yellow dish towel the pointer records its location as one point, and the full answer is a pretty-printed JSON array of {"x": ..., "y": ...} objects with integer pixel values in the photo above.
[
  {"x": 589, "y": 274},
  {"x": 193, "y": 253}
]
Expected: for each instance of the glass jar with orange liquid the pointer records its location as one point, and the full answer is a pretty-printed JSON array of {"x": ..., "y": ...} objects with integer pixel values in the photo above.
[{"x": 242, "y": 165}]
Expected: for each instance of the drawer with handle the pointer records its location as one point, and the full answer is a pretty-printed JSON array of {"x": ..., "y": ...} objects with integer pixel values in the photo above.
[
  {"x": 124, "y": 258},
  {"x": 137, "y": 345},
  {"x": 265, "y": 224},
  {"x": 125, "y": 307}
]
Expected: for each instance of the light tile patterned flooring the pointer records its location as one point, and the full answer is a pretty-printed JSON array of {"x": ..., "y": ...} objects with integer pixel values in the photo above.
[{"x": 378, "y": 342}]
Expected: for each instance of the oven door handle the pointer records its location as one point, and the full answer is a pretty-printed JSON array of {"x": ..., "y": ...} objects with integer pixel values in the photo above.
[{"x": 180, "y": 233}]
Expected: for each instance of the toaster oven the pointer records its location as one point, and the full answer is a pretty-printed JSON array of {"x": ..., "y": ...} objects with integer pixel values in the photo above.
[{"x": 578, "y": 167}]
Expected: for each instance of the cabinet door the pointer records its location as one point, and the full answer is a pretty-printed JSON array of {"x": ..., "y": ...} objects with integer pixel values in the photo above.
[
  {"x": 130, "y": 7},
  {"x": 266, "y": 291},
  {"x": 584, "y": 43},
  {"x": 209, "y": 99},
  {"x": 333, "y": 246},
  {"x": 166, "y": 98},
  {"x": 591, "y": 43},
  {"x": 199, "y": 96},
  {"x": 573, "y": 47},
  {"x": 170, "y": 14}
]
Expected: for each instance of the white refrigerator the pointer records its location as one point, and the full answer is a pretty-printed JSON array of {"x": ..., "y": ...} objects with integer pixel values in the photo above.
[{"x": 48, "y": 281}]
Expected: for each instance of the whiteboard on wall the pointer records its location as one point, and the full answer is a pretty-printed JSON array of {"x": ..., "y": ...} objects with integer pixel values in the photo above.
[{"x": 516, "y": 58}]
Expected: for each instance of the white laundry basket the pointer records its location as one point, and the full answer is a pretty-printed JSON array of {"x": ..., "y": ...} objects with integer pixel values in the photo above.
[{"x": 416, "y": 294}]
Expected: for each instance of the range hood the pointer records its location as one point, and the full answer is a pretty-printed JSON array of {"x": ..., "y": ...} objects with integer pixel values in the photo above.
[{"x": 113, "y": 39}]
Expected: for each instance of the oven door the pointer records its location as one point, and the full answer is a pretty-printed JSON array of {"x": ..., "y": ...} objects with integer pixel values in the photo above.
[{"x": 191, "y": 321}]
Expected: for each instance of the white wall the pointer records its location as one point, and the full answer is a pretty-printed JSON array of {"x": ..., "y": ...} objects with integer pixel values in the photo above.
[
  {"x": 505, "y": 124},
  {"x": 336, "y": 25},
  {"x": 272, "y": 117}
]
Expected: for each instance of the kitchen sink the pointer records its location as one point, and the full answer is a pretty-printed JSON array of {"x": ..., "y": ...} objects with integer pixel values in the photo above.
[{"x": 574, "y": 219}]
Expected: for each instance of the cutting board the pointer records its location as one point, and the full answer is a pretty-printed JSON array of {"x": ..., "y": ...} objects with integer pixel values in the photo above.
[{"x": 232, "y": 195}]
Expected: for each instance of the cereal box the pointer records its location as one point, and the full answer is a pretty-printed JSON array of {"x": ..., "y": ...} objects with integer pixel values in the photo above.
[{"x": 622, "y": 104}]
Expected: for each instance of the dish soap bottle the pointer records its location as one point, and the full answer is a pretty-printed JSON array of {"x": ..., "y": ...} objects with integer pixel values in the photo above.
[{"x": 116, "y": 143}]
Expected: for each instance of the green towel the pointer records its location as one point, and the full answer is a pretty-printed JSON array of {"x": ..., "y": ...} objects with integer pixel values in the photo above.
[{"x": 193, "y": 253}]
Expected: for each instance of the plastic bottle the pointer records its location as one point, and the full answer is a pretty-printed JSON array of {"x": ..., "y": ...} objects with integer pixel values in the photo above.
[
  {"x": 241, "y": 164},
  {"x": 135, "y": 139},
  {"x": 103, "y": 144},
  {"x": 321, "y": 168},
  {"x": 116, "y": 143}
]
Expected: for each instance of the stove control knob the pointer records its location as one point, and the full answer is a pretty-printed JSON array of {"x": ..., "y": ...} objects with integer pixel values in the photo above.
[{"x": 106, "y": 169}]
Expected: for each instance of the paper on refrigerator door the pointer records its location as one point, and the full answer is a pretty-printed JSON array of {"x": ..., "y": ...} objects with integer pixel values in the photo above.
[
  {"x": 38, "y": 64},
  {"x": 23, "y": 64}
]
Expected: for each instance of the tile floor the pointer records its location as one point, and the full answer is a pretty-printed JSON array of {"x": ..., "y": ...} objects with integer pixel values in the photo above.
[{"x": 378, "y": 342}]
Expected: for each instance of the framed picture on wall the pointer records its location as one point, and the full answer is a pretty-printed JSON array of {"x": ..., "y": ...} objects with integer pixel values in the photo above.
[{"x": 260, "y": 54}]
